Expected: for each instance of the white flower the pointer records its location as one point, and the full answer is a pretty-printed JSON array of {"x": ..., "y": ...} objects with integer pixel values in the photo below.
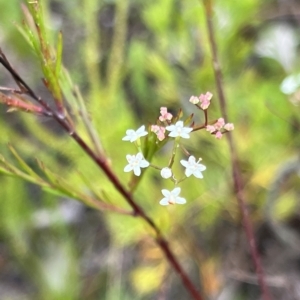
[
  {"x": 132, "y": 135},
  {"x": 179, "y": 130},
  {"x": 193, "y": 167},
  {"x": 172, "y": 197},
  {"x": 166, "y": 173},
  {"x": 136, "y": 162}
]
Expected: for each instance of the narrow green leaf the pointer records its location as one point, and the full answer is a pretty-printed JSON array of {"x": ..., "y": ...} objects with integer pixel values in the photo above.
[
  {"x": 54, "y": 191},
  {"x": 59, "y": 50},
  {"x": 15, "y": 172},
  {"x": 4, "y": 171},
  {"x": 188, "y": 120},
  {"x": 23, "y": 164},
  {"x": 58, "y": 182}
]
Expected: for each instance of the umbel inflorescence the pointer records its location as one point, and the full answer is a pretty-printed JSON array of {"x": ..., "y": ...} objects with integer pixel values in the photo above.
[{"x": 169, "y": 127}]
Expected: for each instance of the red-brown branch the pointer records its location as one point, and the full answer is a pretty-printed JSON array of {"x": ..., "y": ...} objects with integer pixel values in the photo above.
[
  {"x": 236, "y": 173},
  {"x": 102, "y": 163}
]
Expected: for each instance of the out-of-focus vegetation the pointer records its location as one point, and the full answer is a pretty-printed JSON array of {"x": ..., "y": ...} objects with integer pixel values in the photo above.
[{"x": 129, "y": 58}]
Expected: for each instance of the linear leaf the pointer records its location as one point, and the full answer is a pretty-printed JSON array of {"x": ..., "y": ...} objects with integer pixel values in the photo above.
[
  {"x": 59, "y": 50},
  {"x": 22, "y": 163}
]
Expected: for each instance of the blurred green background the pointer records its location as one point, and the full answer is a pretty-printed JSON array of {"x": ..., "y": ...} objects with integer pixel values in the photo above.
[{"x": 129, "y": 58}]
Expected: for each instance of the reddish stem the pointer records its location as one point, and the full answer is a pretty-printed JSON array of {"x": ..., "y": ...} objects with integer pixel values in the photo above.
[
  {"x": 236, "y": 173},
  {"x": 102, "y": 163}
]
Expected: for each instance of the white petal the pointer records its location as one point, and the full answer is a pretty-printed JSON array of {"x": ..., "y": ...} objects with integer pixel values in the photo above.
[
  {"x": 184, "y": 163},
  {"x": 187, "y": 129},
  {"x": 139, "y": 156},
  {"x": 176, "y": 191},
  {"x": 185, "y": 135},
  {"x": 180, "y": 200},
  {"x": 141, "y": 129},
  {"x": 188, "y": 172},
  {"x": 170, "y": 128},
  {"x": 173, "y": 134},
  {"x": 129, "y": 157},
  {"x": 166, "y": 193},
  {"x": 192, "y": 159},
  {"x": 164, "y": 201},
  {"x": 201, "y": 167},
  {"x": 198, "y": 174},
  {"x": 144, "y": 164},
  {"x": 128, "y": 168},
  {"x": 129, "y": 131},
  {"x": 137, "y": 171}
]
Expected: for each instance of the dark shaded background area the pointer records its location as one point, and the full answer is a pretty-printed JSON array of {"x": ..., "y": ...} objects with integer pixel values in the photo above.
[{"x": 129, "y": 58}]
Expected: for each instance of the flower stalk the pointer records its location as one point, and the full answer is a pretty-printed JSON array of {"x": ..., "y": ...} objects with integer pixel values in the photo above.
[{"x": 236, "y": 172}]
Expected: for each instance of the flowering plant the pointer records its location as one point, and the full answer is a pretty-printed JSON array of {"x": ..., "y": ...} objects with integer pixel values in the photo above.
[
  {"x": 178, "y": 130},
  {"x": 71, "y": 114}
]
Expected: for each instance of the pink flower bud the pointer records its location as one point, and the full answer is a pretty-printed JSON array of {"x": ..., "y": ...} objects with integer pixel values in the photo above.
[
  {"x": 194, "y": 100},
  {"x": 159, "y": 131},
  {"x": 219, "y": 135},
  {"x": 219, "y": 124},
  {"x": 205, "y": 100},
  {"x": 229, "y": 126},
  {"x": 210, "y": 128},
  {"x": 164, "y": 114}
]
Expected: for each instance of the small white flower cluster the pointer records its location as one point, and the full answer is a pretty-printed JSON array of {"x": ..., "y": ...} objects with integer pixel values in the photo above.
[
  {"x": 136, "y": 162},
  {"x": 172, "y": 197},
  {"x": 132, "y": 135},
  {"x": 177, "y": 130},
  {"x": 191, "y": 168}
]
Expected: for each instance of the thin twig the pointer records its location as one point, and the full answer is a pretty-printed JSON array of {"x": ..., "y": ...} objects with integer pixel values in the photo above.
[
  {"x": 101, "y": 161},
  {"x": 236, "y": 173}
]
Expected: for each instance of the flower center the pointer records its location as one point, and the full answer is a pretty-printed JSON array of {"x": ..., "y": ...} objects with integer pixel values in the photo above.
[{"x": 171, "y": 200}]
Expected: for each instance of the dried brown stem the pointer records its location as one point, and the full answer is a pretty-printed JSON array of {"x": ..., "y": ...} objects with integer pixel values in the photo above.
[{"x": 236, "y": 173}]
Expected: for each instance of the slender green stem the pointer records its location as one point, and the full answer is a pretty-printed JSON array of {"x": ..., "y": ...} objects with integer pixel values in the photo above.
[{"x": 175, "y": 146}]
